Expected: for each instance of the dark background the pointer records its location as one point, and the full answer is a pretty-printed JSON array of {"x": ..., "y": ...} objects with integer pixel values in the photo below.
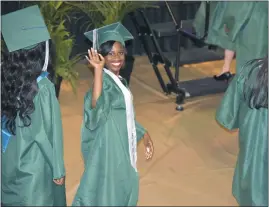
[{"x": 183, "y": 10}]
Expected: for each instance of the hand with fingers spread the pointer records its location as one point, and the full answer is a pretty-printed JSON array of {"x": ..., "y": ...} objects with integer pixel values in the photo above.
[
  {"x": 98, "y": 62},
  {"x": 148, "y": 144},
  {"x": 95, "y": 59}
]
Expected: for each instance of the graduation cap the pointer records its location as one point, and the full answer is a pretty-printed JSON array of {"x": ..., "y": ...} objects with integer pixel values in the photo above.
[
  {"x": 24, "y": 29},
  {"x": 115, "y": 31}
]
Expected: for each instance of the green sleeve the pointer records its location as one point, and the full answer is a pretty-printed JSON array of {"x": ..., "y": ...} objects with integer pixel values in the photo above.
[
  {"x": 94, "y": 117},
  {"x": 237, "y": 16},
  {"x": 227, "y": 112},
  {"x": 51, "y": 116},
  {"x": 200, "y": 17},
  {"x": 140, "y": 131}
]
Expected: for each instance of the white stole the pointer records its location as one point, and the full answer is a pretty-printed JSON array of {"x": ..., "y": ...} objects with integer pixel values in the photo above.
[
  {"x": 129, "y": 117},
  {"x": 45, "y": 66}
]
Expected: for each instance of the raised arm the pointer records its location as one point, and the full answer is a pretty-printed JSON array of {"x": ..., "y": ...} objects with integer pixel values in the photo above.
[{"x": 98, "y": 62}]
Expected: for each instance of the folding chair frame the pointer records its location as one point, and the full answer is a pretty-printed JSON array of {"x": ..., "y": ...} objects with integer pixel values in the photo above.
[{"x": 145, "y": 32}]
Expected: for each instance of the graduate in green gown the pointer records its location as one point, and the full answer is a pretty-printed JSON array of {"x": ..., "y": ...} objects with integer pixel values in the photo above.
[
  {"x": 214, "y": 38},
  {"x": 245, "y": 107},
  {"x": 241, "y": 27},
  {"x": 110, "y": 132},
  {"x": 32, "y": 144},
  {"x": 251, "y": 38}
]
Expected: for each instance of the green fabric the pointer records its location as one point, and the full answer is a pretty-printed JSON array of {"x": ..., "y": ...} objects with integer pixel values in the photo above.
[
  {"x": 252, "y": 39},
  {"x": 250, "y": 183},
  {"x": 24, "y": 28},
  {"x": 223, "y": 14},
  {"x": 108, "y": 178},
  {"x": 34, "y": 157},
  {"x": 231, "y": 16},
  {"x": 140, "y": 130},
  {"x": 115, "y": 31},
  {"x": 238, "y": 26},
  {"x": 200, "y": 17}
]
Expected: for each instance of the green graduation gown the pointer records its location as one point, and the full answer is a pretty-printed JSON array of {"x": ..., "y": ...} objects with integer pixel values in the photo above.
[
  {"x": 250, "y": 182},
  {"x": 108, "y": 178},
  {"x": 200, "y": 17},
  {"x": 252, "y": 39},
  {"x": 226, "y": 21},
  {"x": 241, "y": 27},
  {"x": 34, "y": 156}
]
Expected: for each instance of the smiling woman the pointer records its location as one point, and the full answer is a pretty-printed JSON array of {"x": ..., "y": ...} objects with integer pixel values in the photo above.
[
  {"x": 110, "y": 132},
  {"x": 114, "y": 54}
]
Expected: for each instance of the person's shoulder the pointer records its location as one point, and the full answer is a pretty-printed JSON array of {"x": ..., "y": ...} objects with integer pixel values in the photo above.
[
  {"x": 45, "y": 87},
  {"x": 107, "y": 78},
  {"x": 107, "y": 83}
]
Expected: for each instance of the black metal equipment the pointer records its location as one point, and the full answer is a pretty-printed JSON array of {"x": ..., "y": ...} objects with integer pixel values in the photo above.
[{"x": 149, "y": 33}]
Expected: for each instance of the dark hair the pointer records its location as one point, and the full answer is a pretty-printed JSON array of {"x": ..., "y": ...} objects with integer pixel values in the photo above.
[
  {"x": 256, "y": 84},
  {"x": 106, "y": 48},
  {"x": 19, "y": 72}
]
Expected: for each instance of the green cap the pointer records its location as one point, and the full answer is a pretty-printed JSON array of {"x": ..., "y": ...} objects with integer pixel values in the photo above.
[
  {"x": 24, "y": 28},
  {"x": 115, "y": 31}
]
